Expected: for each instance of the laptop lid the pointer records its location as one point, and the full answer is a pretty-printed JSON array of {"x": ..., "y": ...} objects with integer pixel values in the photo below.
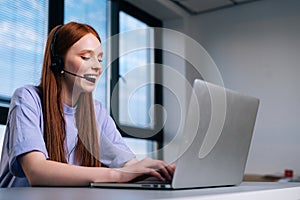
[{"x": 216, "y": 137}]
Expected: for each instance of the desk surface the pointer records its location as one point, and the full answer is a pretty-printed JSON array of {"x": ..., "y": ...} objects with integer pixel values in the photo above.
[{"x": 247, "y": 190}]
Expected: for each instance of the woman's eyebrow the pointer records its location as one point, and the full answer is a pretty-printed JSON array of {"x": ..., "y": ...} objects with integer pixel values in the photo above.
[
  {"x": 86, "y": 51},
  {"x": 91, "y": 52}
]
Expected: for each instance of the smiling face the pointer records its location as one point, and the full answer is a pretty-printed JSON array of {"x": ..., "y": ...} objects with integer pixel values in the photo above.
[{"x": 83, "y": 59}]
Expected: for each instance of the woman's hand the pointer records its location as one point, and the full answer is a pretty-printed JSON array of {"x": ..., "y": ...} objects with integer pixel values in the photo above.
[
  {"x": 147, "y": 166},
  {"x": 42, "y": 172}
]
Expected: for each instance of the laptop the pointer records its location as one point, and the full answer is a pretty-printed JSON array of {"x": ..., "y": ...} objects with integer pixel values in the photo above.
[{"x": 215, "y": 140}]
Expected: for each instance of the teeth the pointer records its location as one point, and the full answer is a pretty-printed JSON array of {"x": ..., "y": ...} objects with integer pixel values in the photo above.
[{"x": 91, "y": 76}]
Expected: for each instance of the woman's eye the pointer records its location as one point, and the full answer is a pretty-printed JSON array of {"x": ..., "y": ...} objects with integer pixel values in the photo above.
[
  {"x": 100, "y": 60},
  {"x": 85, "y": 58}
]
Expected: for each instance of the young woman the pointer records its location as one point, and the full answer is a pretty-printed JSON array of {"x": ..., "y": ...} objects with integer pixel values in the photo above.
[{"x": 56, "y": 134}]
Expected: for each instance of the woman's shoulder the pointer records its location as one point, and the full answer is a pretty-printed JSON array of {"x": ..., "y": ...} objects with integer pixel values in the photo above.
[
  {"x": 27, "y": 89},
  {"x": 100, "y": 110},
  {"x": 99, "y": 107},
  {"x": 28, "y": 94}
]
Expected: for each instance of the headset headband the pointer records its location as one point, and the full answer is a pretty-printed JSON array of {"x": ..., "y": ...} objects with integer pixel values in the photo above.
[
  {"x": 57, "y": 62},
  {"x": 54, "y": 40}
]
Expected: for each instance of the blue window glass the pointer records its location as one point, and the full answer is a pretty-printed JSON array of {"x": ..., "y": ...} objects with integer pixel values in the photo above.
[
  {"x": 23, "y": 34},
  {"x": 94, "y": 13},
  {"x": 136, "y": 88}
]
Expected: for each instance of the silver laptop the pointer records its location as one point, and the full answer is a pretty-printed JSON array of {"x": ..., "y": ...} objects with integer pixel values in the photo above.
[{"x": 215, "y": 140}]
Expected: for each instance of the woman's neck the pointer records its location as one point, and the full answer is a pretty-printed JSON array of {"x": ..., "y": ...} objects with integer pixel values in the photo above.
[{"x": 69, "y": 97}]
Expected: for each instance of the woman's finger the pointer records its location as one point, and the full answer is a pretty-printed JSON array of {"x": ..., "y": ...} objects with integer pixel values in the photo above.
[
  {"x": 166, "y": 170},
  {"x": 163, "y": 170},
  {"x": 154, "y": 173},
  {"x": 171, "y": 170}
]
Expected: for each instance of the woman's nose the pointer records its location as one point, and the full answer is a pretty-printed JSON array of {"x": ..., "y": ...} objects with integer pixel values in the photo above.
[{"x": 97, "y": 67}]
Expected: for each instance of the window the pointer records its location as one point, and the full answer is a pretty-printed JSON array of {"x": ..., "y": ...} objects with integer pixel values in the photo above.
[
  {"x": 134, "y": 92},
  {"x": 23, "y": 32},
  {"x": 135, "y": 98},
  {"x": 94, "y": 13}
]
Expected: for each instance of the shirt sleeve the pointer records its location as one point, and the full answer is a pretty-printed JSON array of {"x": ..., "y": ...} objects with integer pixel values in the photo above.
[
  {"x": 113, "y": 150},
  {"x": 25, "y": 128}
]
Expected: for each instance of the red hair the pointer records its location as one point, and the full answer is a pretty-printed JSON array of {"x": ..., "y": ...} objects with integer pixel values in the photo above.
[{"x": 87, "y": 148}]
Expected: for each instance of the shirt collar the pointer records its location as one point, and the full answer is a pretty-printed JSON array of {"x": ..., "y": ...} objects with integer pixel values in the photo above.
[{"x": 68, "y": 110}]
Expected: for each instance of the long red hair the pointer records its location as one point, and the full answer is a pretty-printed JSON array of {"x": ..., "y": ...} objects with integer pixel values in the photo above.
[{"x": 87, "y": 148}]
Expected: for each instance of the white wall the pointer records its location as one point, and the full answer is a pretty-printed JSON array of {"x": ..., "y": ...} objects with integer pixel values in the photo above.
[
  {"x": 174, "y": 89},
  {"x": 257, "y": 49}
]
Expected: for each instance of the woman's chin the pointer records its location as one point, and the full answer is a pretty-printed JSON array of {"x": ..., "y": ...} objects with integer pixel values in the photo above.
[{"x": 88, "y": 89}]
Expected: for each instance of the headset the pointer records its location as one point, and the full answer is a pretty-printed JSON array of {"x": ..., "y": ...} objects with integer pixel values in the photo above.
[{"x": 57, "y": 62}]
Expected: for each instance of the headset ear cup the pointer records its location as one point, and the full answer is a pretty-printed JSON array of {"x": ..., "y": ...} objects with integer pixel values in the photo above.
[{"x": 57, "y": 64}]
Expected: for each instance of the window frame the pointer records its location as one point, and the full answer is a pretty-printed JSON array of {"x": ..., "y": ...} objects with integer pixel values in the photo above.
[
  {"x": 56, "y": 13},
  {"x": 4, "y": 107},
  {"x": 116, "y": 7}
]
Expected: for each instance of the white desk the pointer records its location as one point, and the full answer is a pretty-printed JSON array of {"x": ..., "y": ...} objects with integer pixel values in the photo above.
[{"x": 247, "y": 190}]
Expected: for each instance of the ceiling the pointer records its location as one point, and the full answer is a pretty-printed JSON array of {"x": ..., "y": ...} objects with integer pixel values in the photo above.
[{"x": 195, "y": 7}]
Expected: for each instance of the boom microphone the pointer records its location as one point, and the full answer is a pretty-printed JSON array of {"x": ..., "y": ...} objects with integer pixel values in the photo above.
[{"x": 93, "y": 80}]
